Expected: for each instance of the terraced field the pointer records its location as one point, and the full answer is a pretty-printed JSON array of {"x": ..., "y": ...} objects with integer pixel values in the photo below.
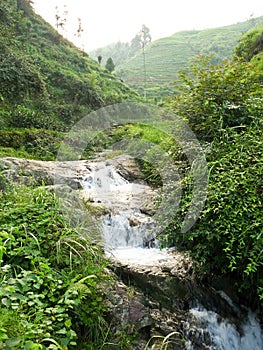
[{"x": 165, "y": 57}]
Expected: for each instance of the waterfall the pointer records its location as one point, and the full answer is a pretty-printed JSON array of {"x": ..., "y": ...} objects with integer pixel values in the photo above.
[
  {"x": 224, "y": 335},
  {"x": 119, "y": 233},
  {"x": 125, "y": 228},
  {"x": 125, "y": 225}
]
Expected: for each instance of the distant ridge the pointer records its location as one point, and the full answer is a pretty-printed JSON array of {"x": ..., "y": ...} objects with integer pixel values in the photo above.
[{"x": 166, "y": 56}]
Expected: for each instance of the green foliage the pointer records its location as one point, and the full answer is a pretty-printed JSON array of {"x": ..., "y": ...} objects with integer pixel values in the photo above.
[
  {"x": 250, "y": 44},
  {"x": 214, "y": 97},
  {"x": 19, "y": 79},
  {"x": 228, "y": 235},
  {"x": 110, "y": 66},
  {"x": 43, "y": 72},
  {"x": 223, "y": 105},
  {"x": 50, "y": 276},
  {"x": 30, "y": 143},
  {"x": 27, "y": 118},
  {"x": 250, "y": 49}
]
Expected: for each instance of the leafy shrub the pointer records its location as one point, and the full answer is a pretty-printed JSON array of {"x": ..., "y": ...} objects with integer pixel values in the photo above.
[
  {"x": 250, "y": 44},
  {"x": 4, "y": 117},
  {"x": 32, "y": 143},
  {"x": 49, "y": 276},
  {"x": 224, "y": 105},
  {"x": 213, "y": 98},
  {"x": 74, "y": 88},
  {"x": 19, "y": 79},
  {"x": 24, "y": 117}
]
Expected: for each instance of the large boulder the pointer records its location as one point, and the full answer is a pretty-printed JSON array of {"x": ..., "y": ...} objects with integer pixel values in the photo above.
[{"x": 38, "y": 173}]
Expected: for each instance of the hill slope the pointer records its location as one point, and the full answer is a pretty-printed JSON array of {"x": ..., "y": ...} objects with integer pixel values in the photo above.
[
  {"x": 166, "y": 56},
  {"x": 44, "y": 80}
]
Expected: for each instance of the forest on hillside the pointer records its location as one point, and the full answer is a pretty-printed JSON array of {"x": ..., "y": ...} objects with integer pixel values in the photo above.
[{"x": 49, "y": 298}]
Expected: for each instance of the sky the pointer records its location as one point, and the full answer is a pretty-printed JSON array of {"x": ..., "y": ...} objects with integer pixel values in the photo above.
[{"x": 107, "y": 21}]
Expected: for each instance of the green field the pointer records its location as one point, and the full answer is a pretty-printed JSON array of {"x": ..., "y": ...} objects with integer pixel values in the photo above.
[{"x": 165, "y": 57}]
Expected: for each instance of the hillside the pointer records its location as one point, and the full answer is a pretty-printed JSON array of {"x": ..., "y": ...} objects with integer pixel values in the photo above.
[
  {"x": 45, "y": 81},
  {"x": 119, "y": 52},
  {"x": 166, "y": 56},
  {"x": 192, "y": 179}
]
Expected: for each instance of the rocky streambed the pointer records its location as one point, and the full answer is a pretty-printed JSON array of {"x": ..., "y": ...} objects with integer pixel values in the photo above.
[{"x": 157, "y": 294}]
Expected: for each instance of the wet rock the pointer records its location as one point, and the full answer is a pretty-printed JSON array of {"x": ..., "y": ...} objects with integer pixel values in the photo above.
[
  {"x": 137, "y": 218},
  {"x": 171, "y": 290},
  {"x": 126, "y": 308},
  {"x": 127, "y": 167},
  {"x": 132, "y": 310},
  {"x": 37, "y": 173},
  {"x": 97, "y": 209}
]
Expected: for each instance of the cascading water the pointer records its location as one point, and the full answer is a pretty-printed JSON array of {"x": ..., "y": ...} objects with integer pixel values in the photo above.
[
  {"x": 124, "y": 230},
  {"x": 118, "y": 232},
  {"x": 224, "y": 335}
]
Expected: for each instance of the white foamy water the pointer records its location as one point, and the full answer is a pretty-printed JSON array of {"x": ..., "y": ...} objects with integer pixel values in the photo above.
[
  {"x": 105, "y": 185},
  {"x": 126, "y": 228},
  {"x": 124, "y": 234},
  {"x": 139, "y": 256},
  {"x": 225, "y": 335},
  {"x": 119, "y": 232}
]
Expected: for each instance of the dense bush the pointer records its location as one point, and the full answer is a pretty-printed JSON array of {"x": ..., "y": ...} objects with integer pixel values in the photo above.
[
  {"x": 250, "y": 44},
  {"x": 27, "y": 118},
  {"x": 50, "y": 276},
  {"x": 215, "y": 97},
  {"x": 34, "y": 143},
  {"x": 19, "y": 79},
  {"x": 224, "y": 105},
  {"x": 228, "y": 235}
]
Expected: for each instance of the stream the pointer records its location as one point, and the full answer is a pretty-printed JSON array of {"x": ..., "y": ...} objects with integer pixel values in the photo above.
[
  {"x": 126, "y": 239},
  {"x": 167, "y": 297},
  {"x": 125, "y": 229},
  {"x": 225, "y": 335}
]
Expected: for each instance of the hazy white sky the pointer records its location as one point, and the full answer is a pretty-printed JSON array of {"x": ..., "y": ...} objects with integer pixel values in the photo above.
[{"x": 107, "y": 21}]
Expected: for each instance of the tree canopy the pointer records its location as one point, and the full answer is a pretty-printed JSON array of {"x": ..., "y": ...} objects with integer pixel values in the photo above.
[{"x": 110, "y": 66}]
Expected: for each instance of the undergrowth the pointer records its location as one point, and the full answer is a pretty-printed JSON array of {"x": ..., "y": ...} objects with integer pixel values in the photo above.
[{"x": 50, "y": 276}]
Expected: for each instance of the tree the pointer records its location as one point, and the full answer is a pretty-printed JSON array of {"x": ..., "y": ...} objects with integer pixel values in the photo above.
[
  {"x": 99, "y": 59},
  {"x": 110, "y": 66},
  {"x": 145, "y": 39},
  {"x": 61, "y": 18},
  {"x": 80, "y": 30},
  {"x": 141, "y": 39},
  {"x": 145, "y": 36}
]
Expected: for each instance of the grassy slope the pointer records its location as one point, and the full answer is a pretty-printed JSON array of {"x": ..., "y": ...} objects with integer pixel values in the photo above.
[
  {"x": 166, "y": 56},
  {"x": 45, "y": 83},
  {"x": 46, "y": 73}
]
